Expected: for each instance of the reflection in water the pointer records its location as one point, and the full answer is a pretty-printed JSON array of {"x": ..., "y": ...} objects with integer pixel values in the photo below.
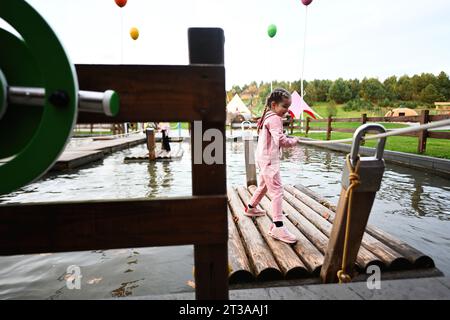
[
  {"x": 412, "y": 205},
  {"x": 415, "y": 197}
]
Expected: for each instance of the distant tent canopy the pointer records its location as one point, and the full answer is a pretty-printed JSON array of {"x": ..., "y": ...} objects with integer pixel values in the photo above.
[
  {"x": 299, "y": 106},
  {"x": 237, "y": 111},
  {"x": 401, "y": 112}
]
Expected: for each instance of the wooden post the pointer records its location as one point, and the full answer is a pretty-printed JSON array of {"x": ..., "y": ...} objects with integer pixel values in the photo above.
[
  {"x": 250, "y": 165},
  {"x": 423, "y": 135},
  {"x": 370, "y": 172},
  {"x": 363, "y": 121},
  {"x": 329, "y": 128},
  {"x": 308, "y": 119},
  {"x": 206, "y": 46},
  {"x": 291, "y": 124},
  {"x": 150, "y": 133}
]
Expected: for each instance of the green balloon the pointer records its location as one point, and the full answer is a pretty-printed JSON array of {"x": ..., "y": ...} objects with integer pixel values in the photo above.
[{"x": 272, "y": 30}]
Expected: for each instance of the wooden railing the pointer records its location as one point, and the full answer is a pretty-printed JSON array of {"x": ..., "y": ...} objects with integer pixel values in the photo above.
[
  {"x": 422, "y": 136},
  {"x": 195, "y": 92}
]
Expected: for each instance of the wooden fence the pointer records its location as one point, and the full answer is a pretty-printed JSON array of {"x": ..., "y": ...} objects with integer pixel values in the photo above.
[
  {"x": 194, "y": 92},
  {"x": 422, "y": 136}
]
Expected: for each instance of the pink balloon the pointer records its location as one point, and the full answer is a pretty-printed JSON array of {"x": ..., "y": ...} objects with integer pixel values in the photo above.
[{"x": 307, "y": 2}]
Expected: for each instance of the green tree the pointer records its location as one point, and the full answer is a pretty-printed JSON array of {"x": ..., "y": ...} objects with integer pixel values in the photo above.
[
  {"x": 430, "y": 94},
  {"x": 443, "y": 85},
  {"x": 310, "y": 94},
  {"x": 340, "y": 91},
  {"x": 390, "y": 85},
  {"x": 404, "y": 88},
  {"x": 372, "y": 90},
  {"x": 321, "y": 88},
  {"x": 355, "y": 87}
]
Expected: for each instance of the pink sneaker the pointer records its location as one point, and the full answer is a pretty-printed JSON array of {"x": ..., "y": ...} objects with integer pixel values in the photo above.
[
  {"x": 282, "y": 234},
  {"x": 254, "y": 212}
]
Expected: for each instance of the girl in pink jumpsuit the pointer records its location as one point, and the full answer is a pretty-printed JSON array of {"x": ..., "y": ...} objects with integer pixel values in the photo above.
[{"x": 271, "y": 140}]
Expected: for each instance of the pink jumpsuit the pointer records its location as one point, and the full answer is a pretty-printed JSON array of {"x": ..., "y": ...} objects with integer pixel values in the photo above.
[{"x": 268, "y": 153}]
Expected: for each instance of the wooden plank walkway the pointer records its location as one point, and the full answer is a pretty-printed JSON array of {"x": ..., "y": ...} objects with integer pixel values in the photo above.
[
  {"x": 253, "y": 255},
  {"x": 94, "y": 151}
]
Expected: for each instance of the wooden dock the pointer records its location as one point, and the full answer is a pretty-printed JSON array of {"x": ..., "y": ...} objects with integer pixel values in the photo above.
[
  {"x": 94, "y": 151},
  {"x": 253, "y": 255}
]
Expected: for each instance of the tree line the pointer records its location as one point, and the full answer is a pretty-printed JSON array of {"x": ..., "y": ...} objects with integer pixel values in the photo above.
[{"x": 405, "y": 91}]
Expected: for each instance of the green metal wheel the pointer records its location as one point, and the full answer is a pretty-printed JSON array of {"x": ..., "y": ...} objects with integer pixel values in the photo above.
[{"x": 32, "y": 137}]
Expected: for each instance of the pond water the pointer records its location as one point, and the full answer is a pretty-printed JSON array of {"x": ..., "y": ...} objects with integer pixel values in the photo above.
[{"x": 411, "y": 205}]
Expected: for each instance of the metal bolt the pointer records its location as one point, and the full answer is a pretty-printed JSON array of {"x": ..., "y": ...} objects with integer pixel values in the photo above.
[{"x": 59, "y": 98}]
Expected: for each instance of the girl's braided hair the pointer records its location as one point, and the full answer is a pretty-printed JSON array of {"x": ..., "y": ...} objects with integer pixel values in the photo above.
[{"x": 276, "y": 96}]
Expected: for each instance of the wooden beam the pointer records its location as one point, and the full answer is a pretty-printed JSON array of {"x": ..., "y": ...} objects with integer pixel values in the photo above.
[
  {"x": 157, "y": 93},
  {"x": 250, "y": 163},
  {"x": 423, "y": 135},
  {"x": 110, "y": 224},
  {"x": 439, "y": 117},
  {"x": 329, "y": 128},
  {"x": 438, "y": 135},
  {"x": 206, "y": 46}
]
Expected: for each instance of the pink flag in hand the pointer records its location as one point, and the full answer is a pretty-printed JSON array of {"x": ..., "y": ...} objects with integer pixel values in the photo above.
[{"x": 298, "y": 106}]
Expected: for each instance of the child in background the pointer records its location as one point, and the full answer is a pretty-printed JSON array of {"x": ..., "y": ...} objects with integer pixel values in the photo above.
[
  {"x": 165, "y": 145},
  {"x": 268, "y": 152}
]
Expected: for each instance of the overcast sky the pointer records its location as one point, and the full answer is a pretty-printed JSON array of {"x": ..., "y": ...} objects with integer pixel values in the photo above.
[{"x": 347, "y": 38}]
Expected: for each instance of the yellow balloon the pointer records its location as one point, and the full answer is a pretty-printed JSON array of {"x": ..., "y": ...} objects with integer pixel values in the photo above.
[{"x": 134, "y": 33}]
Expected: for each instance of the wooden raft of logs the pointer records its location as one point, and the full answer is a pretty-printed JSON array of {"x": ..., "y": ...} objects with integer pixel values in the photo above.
[
  {"x": 159, "y": 156},
  {"x": 253, "y": 255}
]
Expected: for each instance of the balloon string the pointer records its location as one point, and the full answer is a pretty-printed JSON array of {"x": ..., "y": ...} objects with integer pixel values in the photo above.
[
  {"x": 121, "y": 36},
  {"x": 271, "y": 59},
  {"x": 304, "y": 50}
]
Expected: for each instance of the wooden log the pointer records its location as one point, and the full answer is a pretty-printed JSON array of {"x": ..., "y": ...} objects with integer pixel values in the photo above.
[
  {"x": 438, "y": 135},
  {"x": 422, "y": 144},
  {"x": 362, "y": 204},
  {"x": 363, "y": 118},
  {"x": 307, "y": 252},
  {"x": 416, "y": 257},
  {"x": 150, "y": 134},
  {"x": 394, "y": 119},
  {"x": 206, "y": 46},
  {"x": 390, "y": 257},
  {"x": 157, "y": 93},
  {"x": 263, "y": 263},
  {"x": 290, "y": 264},
  {"x": 320, "y": 240},
  {"x": 439, "y": 117},
  {"x": 237, "y": 257},
  {"x": 315, "y": 196},
  {"x": 325, "y": 226},
  {"x": 308, "y": 119},
  {"x": 329, "y": 129},
  {"x": 110, "y": 224},
  {"x": 250, "y": 163}
]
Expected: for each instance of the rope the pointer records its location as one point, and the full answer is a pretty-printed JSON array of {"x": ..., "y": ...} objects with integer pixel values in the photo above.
[
  {"x": 343, "y": 274},
  {"x": 395, "y": 132}
]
